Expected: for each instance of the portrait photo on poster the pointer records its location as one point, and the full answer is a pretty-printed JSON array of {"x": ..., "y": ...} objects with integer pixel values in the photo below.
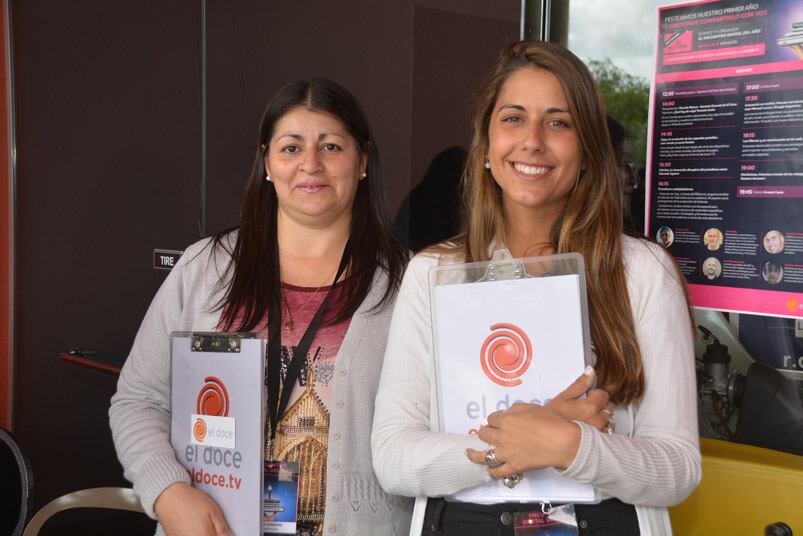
[
  {"x": 665, "y": 236},
  {"x": 712, "y": 268},
  {"x": 774, "y": 241},
  {"x": 713, "y": 239}
]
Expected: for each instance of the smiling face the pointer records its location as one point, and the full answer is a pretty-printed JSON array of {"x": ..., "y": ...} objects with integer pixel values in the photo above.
[
  {"x": 315, "y": 166},
  {"x": 533, "y": 146},
  {"x": 773, "y": 242}
]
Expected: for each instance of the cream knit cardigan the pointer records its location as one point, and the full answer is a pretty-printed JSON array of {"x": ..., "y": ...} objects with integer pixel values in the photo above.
[{"x": 653, "y": 459}]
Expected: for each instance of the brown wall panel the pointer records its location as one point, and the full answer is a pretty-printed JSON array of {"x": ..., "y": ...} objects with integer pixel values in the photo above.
[
  {"x": 454, "y": 51},
  {"x": 255, "y": 47},
  {"x": 455, "y": 45},
  {"x": 108, "y": 144}
]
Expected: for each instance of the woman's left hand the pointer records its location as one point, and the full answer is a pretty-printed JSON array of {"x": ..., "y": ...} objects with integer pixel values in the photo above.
[
  {"x": 526, "y": 437},
  {"x": 594, "y": 409}
]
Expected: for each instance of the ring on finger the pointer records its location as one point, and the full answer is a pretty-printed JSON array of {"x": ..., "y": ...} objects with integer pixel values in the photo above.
[
  {"x": 513, "y": 480},
  {"x": 490, "y": 458}
]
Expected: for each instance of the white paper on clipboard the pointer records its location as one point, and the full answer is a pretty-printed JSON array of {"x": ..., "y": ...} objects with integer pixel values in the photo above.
[
  {"x": 509, "y": 331},
  {"x": 217, "y": 420}
]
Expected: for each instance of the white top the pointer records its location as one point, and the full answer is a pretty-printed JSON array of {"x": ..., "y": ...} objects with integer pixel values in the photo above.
[{"x": 653, "y": 460}]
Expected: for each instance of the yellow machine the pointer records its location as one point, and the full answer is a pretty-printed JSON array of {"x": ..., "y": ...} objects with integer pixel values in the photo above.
[{"x": 743, "y": 490}]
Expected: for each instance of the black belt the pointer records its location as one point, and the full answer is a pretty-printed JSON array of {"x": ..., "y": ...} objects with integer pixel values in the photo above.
[{"x": 610, "y": 517}]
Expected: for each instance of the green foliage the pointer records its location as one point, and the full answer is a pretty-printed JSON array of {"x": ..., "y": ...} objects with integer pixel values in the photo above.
[{"x": 626, "y": 99}]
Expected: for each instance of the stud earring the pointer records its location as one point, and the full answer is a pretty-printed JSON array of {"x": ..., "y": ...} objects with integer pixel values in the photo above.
[
  {"x": 487, "y": 164},
  {"x": 267, "y": 177},
  {"x": 364, "y": 174}
]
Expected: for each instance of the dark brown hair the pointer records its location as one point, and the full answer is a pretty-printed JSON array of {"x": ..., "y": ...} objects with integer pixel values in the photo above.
[
  {"x": 591, "y": 222},
  {"x": 256, "y": 274}
]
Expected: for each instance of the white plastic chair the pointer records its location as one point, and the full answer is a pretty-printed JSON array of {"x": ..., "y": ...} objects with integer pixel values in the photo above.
[{"x": 111, "y": 498}]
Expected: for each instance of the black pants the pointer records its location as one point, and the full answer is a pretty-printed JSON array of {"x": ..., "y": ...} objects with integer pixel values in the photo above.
[{"x": 611, "y": 517}]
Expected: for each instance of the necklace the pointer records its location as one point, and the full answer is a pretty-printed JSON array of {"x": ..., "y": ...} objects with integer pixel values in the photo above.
[{"x": 290, "y": 324}]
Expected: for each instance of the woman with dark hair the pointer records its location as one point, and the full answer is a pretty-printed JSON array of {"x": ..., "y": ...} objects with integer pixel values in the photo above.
[
  {"x": 542, "y": 178},
  {"x": 312, "y": 237}
]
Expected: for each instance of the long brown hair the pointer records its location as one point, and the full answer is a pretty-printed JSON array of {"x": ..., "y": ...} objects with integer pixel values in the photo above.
[
  {"x": 256, "y": 273},
  {"x": 591, "y": 222}
]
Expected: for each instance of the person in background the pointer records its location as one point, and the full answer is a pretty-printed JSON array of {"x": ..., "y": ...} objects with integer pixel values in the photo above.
[
  {"x": 633, "y": 217},
  {"x": 433, "y": 206},
  {"x": 312, "y": 237},
  {"x": 542, "y": 178}
]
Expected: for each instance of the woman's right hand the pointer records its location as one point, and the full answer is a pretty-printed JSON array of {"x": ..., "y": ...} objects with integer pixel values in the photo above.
[
  {"x": 185, "y": 511},
  {"x": 594, "y": 410}
]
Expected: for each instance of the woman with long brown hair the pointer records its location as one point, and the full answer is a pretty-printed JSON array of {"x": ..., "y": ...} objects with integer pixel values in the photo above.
[
  {"x": 542, "y": 178},
  {"x": 313, "y": 269}
]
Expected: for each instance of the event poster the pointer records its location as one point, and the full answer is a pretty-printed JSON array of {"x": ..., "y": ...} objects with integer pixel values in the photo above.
[{"x": 725, "y": 194}]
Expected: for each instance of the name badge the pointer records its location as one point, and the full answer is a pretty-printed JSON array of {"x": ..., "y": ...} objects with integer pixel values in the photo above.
[
  {"x": 280, "y": 498},
  {"x": 558, "y": 521}
]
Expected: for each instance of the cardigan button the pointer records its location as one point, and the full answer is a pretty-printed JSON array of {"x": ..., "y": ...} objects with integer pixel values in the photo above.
[
  {"x": 336, "y": 435},
  {"x": 336, "y": 465},
  {"x": 342, "y": 372},
  {"x": 332, "y": 528},
  {"x": 583, "y": 524},
  {"x": 339, "y": 404}
]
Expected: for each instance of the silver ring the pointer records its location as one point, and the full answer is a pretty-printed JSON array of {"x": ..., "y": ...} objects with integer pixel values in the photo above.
[
  {"x": 490, "y": 458},
  {"x": 512, "y": 480}
]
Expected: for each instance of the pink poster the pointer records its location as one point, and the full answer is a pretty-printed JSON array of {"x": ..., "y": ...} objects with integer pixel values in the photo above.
[{"x": 725, "y": 188}]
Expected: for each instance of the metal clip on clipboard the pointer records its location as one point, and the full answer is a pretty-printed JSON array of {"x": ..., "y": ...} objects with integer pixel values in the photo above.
[
  {"x": 507, "y": 269},
  {"x": 517, "y": 268},
  {"x": 218, "y": 342}
]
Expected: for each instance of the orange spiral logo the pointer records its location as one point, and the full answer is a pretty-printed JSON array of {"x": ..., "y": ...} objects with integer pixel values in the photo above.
[
  {"x": 199, "y": 430},
  {"x": 213, "y": 398},
  {"x": 506, "y": 354}
]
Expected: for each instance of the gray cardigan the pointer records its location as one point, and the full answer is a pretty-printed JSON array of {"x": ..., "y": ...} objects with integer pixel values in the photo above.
[{"x": 140, "y": 410}]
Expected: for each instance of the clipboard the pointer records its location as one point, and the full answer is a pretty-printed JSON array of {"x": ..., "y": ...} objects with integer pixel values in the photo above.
[
  {"x": 506, "y": 331},
  {"x": 217, "y": 396}
]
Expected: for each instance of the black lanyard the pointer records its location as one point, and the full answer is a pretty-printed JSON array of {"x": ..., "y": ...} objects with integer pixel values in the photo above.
[{"x": 277, "y": 406}]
